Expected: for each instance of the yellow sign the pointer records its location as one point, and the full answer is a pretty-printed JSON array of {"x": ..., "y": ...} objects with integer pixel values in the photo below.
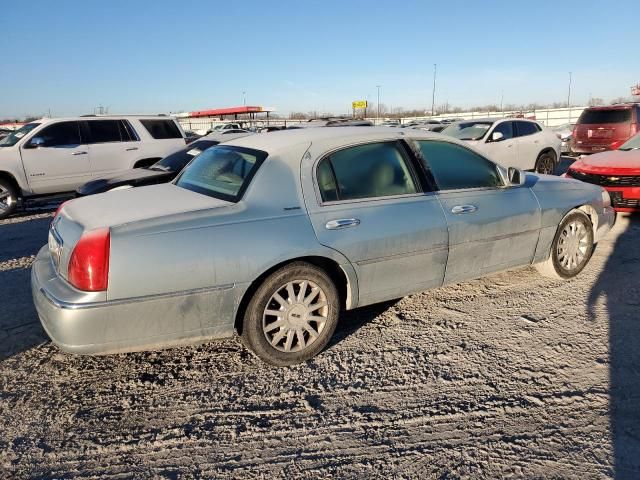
[{"x": 359, "y": 104}]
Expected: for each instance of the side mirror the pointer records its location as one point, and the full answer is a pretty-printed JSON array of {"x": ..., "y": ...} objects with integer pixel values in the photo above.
[
  {"x": 516, "y": 176},
  {"x": 497, "y": 136},
  {"x": 36, "y": 142}
]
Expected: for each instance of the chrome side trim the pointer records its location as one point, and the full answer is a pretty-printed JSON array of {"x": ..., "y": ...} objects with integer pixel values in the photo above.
[
  {"x": 124, "y": 301},
  {"x": 434, "y": 249}
]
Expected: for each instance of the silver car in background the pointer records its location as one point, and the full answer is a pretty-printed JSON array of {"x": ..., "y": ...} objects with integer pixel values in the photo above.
[{"x": 272, "y": 236}]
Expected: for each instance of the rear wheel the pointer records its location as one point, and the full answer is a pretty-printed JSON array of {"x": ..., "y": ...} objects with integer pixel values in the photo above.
[
  {"x": 8, "y": 198},
  {"x": 546, "y": 163},
  {"x": 571, "y": 249},
  {"x": 292, "y": 315}
]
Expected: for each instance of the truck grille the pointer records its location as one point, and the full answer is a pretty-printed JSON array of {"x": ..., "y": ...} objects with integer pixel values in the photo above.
[{"x": 606, "y": 180}]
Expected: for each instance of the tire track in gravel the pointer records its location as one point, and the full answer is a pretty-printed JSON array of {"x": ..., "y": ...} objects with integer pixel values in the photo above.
[{"x": 498, "y": 377}]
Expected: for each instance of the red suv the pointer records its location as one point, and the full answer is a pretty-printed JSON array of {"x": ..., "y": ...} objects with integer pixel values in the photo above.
[{"x": 605, "y": 128}]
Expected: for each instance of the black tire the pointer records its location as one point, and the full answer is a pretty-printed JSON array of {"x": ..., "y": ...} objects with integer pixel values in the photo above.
[
  {"x": 257, "y": 319},
  {"x": 8, "y": 198},
  {"x": 546, "y": 163},
  {"x": 555, "y": 265}
]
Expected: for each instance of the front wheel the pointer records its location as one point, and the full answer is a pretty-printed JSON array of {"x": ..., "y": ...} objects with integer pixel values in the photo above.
[
  {"x": 8, "y": 198},
  {"x": 571, "y": 249},
  {"x": 292, "y": 315},
  {"x": 546, "y": 163}
]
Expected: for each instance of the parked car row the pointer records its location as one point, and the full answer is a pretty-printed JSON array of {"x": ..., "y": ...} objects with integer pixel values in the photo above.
[
  {"x": 52, "y": 156},
  {"x": 272, "y": 236}
]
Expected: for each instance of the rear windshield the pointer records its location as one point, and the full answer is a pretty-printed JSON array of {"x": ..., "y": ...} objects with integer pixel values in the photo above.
[
  {"x": 617, "y": 115},
  {"x": 162, "y": 129},
  {"x": 222, "y": 171}
]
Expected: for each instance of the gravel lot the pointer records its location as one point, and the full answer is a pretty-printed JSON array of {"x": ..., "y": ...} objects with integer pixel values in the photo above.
[{"x": 509, "y": 376}]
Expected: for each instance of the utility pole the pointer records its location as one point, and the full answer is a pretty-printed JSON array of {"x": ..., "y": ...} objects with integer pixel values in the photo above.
[
  {"x": 378, "y": 104},
  {"x": 569, "y": 96},
  {"x": 433, "y": 95},
  {"x": 244, "y": 99},
  {"x": 502, "y": 102}
]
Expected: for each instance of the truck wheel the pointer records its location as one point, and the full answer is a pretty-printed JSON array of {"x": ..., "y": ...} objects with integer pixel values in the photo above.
[{"x": 8, "y": 198}]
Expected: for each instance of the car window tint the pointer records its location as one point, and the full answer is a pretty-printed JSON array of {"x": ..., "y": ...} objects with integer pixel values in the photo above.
[
  {"x": 506, "y": 128},
  {"x": 103, "y": 131},
  {"x": 616, "y": 115},
  {"x": 127, "y": 133},
  {"x": 61, "y": 134},
  {"x": 221, "y": 171},
  {"x": 455, "y": 167},
  {"x": 366, "y": 171},
  {"x": 161, "y": 129},
  {"x": 526, "y": 128}
]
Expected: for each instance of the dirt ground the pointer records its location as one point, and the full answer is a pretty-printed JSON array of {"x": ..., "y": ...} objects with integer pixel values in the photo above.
[{"x": 513, "y": 375}]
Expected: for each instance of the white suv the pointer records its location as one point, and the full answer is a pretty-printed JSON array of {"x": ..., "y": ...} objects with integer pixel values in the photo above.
[
  {"x": 57, "y": 155},
  {"x": 512, "y": 142}
]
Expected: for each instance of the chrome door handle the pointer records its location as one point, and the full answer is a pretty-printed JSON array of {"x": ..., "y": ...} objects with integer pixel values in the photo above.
[
  {"x": 79, "y": 153},
  {"x": 131, "y": 149},
  {"x": 458, "y": 209},
  {"x": 342, "y": 223}
]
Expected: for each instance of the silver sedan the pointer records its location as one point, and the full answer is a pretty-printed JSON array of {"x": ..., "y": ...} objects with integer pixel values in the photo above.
[{"x": 272, "y": 236}]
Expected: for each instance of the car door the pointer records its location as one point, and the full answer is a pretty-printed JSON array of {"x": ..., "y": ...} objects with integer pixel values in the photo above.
[
  {"x": 111, "y": 146},
  {"x": 369, "y": 205},
  {"x": 56, "y": 158},
  {"x": 505, "y": 149},
  {"x": 492, "y": 226},
  {"x": 530, "y": 144}
]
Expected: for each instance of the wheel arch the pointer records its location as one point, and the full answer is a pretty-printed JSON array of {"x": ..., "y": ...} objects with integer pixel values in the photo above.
[
  {"x": 10, "y": 178},
  {"x": 342, "y": 280},
  {"x": 145, "y": 162}
]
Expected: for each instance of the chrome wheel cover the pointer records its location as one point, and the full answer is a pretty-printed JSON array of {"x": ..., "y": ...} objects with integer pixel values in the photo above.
[
  {"x": 573, "y": 245},
  {"x": 6, "y": 200},
  {"x": 295, "y": 316}
]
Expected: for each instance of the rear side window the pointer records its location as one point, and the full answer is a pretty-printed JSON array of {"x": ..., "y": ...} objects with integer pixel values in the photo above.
[
  {"x": 617, "y": 115},
  {"x": 365, "y": 171},
  {"x": 103, "y": 131},
  {"x": 63, "y": 134},
  {"x": 527, "y": 128},
  {"x": 161, "y": 129},
  {"x": 454, "y": 167}
]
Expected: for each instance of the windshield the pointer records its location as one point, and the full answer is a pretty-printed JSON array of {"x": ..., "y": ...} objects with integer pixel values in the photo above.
[
  {"x": 15, "y": 137},
  {"x": 468, "y": 130},
  {"x": 632, "y": 144},
  {"x": 178, "y": 160},
  {"x": 222, "y": 172}
]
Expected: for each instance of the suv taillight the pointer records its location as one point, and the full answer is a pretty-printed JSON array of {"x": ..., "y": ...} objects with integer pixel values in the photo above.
[
  {"x": 89, "y": 264},
  {"x": 634, "y": 129}
]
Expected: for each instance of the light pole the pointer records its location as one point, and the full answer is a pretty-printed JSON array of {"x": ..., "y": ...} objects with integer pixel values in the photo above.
[
  {"x": 433, "y": 95},
  {"x": 569, "y": 96},
  {"x": 244, "y": 99},
  {"x": 378, "y": 105}
]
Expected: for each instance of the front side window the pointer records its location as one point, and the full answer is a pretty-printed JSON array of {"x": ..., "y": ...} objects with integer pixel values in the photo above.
[
  {"x": 222, "y": 172},
  {"x": 468, "y": 130},
  {"x": 104, "y": 131},
  {"x": 506, "y": 129},
  {"x": 62, "y": 134},
  {"x": 365, "y": 171},
  {"x": 14, "y": 137},
  {"x": 454, "y": 167},
  {"x": 527, "y": 128},
  {"x": 161, "y": 129}
]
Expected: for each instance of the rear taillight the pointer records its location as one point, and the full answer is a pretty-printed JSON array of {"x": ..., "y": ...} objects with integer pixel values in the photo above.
[
  {"x": 89, "y": 264},
  {"x": 634, "y": 129}
]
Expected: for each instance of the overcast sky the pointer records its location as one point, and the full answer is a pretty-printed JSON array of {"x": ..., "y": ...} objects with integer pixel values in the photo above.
[{"x": 160, "y": 56}]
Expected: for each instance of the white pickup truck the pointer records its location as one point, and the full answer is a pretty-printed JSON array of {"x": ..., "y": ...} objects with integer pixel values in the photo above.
[{"x": 56, "y": 155}]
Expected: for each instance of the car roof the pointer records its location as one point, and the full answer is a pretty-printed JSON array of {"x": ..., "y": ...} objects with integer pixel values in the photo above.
[
  {"x": 281, "y": 139},
  {"x": 101, "y": 117}
]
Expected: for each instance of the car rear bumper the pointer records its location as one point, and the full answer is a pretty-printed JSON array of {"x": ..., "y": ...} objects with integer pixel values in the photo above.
[{"x": 143, "y": 323}]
